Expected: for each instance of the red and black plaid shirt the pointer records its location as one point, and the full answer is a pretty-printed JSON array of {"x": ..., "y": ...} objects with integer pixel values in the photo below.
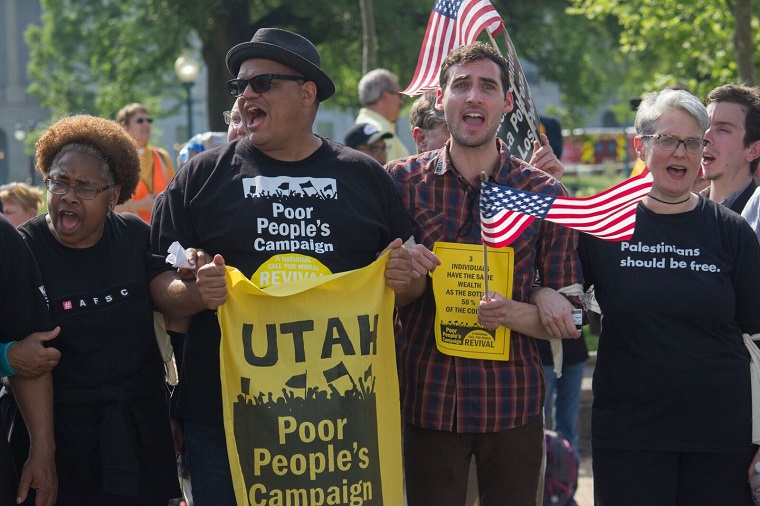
[{"x": 443, "y": 392}]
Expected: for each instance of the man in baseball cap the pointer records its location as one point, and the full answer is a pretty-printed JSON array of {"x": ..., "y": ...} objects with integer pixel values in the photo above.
[
  {"x": 233, "y": 202},
  {"x": 369, "y": 140}
]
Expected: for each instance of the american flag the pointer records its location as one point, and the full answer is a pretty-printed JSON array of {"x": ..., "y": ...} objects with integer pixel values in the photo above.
[
  {"x": 452, "y": 23},
  {"x": 610, "y": 215}
]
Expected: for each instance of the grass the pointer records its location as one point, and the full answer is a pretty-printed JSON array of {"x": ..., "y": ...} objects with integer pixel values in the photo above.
[
  {"x": 583, "y": 184},
  {"x": 42, "y": 209},
  {"x": 592, "y": 340}
]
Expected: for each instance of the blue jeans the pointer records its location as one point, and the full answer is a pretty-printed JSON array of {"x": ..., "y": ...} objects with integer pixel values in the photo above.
[
  {"x": 209, "y": 465},
  {"x": 566, "y": 392}
]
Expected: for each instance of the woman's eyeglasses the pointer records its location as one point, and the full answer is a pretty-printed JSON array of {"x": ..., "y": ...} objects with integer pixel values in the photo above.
[
  {"x": 231, "y": 118},
  {"x": 82, "y": 191},
  {"x": 260, "y": 84},
  {"x": 693, "y": 145}
]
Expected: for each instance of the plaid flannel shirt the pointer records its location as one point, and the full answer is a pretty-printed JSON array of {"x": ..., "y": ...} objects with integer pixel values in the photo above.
[{"x": 443, "y": 392}]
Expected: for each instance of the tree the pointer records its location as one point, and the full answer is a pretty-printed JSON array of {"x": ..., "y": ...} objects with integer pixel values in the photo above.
[
  {"x": 681, "y": 41},
  {"x": 743, "y": 40},
  {"x": 83, "y": 61},
  {"x": 369, "y": 36},
  {"x": 95, "y": 56},
  {"x": 569, "y": 49}
]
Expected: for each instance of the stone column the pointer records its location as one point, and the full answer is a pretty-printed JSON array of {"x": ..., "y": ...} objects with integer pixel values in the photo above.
[{"x": 14, "y": 93}]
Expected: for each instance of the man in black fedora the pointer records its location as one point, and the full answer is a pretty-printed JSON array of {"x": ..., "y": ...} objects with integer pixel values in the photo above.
[{"x": 232, "y": 203}]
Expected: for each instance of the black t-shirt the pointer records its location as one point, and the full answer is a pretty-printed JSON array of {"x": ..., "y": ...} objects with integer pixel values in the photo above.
[
  {"x": 99, "y": 296},
  {"x": 274, "y": 221},
  {"x": 23, "y": 307},
  {"x": 672, "y": 372}
]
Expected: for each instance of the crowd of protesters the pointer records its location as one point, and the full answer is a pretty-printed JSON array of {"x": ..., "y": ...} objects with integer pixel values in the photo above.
[{"x": 85, "y": 290}]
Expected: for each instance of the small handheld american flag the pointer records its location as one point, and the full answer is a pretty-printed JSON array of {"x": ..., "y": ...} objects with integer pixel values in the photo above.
[{"x": 610, "y": 215}]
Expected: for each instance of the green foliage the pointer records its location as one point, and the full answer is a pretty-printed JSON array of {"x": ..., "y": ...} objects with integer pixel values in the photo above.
[
  {"x": 592, "y": 339},
  {"x": 569, "y": 49},
  {"x": 685, "y": 42},
  {"x": 94, "y": 56}
]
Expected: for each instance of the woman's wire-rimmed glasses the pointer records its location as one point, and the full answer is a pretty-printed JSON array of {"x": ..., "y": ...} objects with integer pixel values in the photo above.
[
  {"x": 82, "y": 191},
  {"x": 229, "y": 119},
  {"x": 693, "y": 145}
]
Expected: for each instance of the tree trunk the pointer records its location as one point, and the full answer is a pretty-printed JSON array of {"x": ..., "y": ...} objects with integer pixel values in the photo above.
[
  {"x": 369, "y": 37},
  {"x": 217, "y": 38},
  {"x": 743, "y": 41}
]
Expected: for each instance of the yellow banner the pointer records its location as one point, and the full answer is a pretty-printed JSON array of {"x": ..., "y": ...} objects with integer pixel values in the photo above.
[
  {"x": 310, "y": 390},
  {"x": 458, "y": 286}
]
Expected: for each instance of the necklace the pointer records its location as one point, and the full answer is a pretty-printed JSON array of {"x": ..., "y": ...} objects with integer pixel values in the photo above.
[{"x": 666, "y": 202}]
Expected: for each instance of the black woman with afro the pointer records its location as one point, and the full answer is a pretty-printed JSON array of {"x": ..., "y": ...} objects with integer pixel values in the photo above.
[{"x": 111, "y": 414}]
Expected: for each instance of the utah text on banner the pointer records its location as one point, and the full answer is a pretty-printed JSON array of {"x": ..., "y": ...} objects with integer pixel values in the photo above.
[
  {"x": 310, "y": 390},
  {"x": 457, "y": 287}
]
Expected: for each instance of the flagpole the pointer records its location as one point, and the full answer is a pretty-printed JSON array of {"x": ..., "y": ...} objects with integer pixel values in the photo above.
[
  {"x": 493, "y": 41},
  {"x": 484, "y": 178}
]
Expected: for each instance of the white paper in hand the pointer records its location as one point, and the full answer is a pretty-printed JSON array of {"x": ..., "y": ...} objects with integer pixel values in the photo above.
[{"x": 178, "y": 257}]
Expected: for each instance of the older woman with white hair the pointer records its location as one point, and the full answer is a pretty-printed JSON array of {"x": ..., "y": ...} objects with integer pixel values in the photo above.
[{"x": 672, "y": 414}]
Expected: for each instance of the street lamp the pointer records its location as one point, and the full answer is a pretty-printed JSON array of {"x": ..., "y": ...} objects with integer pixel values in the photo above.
[
  {"x": 186, "y": 67},
  {"x": 19, "y": 133}
]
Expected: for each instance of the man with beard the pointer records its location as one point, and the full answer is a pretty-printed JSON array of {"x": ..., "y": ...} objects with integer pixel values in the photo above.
[{"x": 453, "y": 407}]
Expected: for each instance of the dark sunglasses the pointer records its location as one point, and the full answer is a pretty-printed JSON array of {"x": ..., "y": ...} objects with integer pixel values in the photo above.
[
  {"x": 140, "y": 121},
  {"x": 260, "y": 84}
]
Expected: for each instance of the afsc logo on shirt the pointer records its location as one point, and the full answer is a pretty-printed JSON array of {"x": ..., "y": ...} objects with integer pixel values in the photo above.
[
  {"x": 93, "y": 301},
  {"x": 283, "y": 186}
]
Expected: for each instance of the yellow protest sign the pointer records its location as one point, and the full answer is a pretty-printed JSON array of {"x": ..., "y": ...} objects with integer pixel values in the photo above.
[
  {"x": 458, "y": 287},
  {"x": 310, "y": 390}
]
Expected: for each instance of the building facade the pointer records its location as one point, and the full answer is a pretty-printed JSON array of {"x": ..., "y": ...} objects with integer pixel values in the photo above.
[{"x": 19, "y": 111}]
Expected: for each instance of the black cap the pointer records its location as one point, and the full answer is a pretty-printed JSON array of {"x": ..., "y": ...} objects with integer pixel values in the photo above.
[{"x": 364, "y": 133}]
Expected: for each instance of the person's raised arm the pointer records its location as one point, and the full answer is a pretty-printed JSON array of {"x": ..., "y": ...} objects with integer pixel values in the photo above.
[{"x": 544, "y": 158}]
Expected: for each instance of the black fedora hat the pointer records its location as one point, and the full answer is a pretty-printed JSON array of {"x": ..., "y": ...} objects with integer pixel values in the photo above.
[{"x": 287, "y": 48}]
